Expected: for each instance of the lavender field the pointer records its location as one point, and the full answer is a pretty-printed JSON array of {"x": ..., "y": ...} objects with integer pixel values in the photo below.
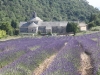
[{"x": 59, "y": 55}]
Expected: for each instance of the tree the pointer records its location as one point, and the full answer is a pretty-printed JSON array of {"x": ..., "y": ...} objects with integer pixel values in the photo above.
[
  {"x": 91, "y": 24},
  {"x": 72, "y": 27},
  {"x": 14, "y": 24},
  {"x": 16, "y": 32},
  {"x": 97, "y": 22},
  {"x": 93, "y": 17},
  {"x": 79, "y": 9},
  {"x": 7, "y": 27}
]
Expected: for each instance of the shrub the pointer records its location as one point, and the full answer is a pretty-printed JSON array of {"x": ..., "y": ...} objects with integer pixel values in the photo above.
[
  {"x": 91, "y": 24},
  {"x": 2, "y": 33}
]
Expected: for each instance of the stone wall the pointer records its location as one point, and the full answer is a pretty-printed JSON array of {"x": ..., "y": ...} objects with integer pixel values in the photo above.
[
  {"x": 58, "y": 29},
  {"x": 42, "y": 29},
  {"x": 32, "y": 30},
  {"x": 24, "y": 30}
]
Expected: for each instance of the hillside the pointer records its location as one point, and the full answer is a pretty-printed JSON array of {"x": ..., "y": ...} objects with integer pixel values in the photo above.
[{"x": 48, "y": 10}]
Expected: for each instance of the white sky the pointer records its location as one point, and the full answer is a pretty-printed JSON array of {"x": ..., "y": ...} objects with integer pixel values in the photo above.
[{"x": 95, "y": 3}]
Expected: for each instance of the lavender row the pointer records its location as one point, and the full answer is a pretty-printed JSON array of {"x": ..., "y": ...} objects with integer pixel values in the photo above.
[
  {"x": 32, "y": 59},
  {"x": 92, "y": 48},
  {"x": 9, "y": 54},
  {"x": 67, "y": 60}
]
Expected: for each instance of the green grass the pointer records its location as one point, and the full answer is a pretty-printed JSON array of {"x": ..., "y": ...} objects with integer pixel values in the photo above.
[
  {"x": 97, "y": 28},
  {"x": 9, "y": 38},
  {"x": 86, "y": 32}
]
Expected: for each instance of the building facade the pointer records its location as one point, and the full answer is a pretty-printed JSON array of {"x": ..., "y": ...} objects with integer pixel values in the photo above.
[{"x": 35, "y": 25}]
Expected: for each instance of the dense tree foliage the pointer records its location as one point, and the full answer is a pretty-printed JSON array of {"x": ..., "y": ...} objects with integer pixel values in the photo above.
[
  {"x": 7, "y": 27},
  {"x": 94, "y": 21},
  {"x": 91, "y": 24},
  {"x": 14, "y": 11},
  {"x": 14, "y": 24},
  {"x": 72, "y": 27},
  {"x": 10, "y": 28},
  {"x": 50, "y": 10}
]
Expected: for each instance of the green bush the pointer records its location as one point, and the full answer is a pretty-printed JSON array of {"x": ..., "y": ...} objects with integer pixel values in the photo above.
[
  {"x": 94, "y": 29},
  {"x": 16, "y": 32},
  {"x": 39, "y": 33},
  {"x": 49, "y": 33},
  {"x": 2, "y": 33},
  {"x": 91, "y": 24}
]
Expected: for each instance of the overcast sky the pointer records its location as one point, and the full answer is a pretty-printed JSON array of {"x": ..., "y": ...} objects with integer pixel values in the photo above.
[{"x": 95, "y": 3}]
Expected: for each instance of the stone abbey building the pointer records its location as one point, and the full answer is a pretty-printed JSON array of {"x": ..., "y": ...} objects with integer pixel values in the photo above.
[{"x": 35, "y": 25}]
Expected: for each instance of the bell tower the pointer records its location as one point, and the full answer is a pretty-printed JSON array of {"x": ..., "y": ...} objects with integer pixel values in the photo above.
[{"x": 34, "y": 14}]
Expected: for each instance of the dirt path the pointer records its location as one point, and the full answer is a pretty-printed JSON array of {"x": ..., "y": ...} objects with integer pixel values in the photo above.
[
  {"x": 86, "y": 64},
  {"x": 42, "y": 67}
]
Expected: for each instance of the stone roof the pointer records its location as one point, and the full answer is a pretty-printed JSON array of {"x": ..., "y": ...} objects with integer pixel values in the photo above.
[
  {"x": 53, "y": 24},
  {"x": 23, "y": 24},
  {"x": 32, "y": 25},
  {"x": 48, "y": 24},
  {"x": 36, "y": 19}
]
